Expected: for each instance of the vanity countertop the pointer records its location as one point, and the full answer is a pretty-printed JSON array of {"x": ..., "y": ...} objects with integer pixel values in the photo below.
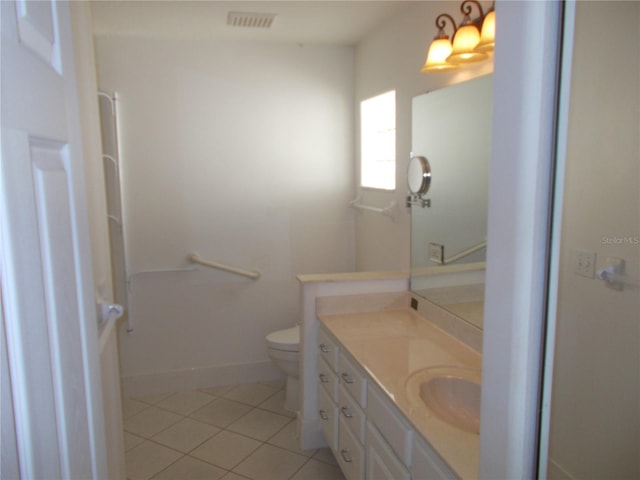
[{"x": 392, "y": 344}]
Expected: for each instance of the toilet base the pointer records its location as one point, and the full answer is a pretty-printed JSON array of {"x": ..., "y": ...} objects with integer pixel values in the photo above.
[{"x": 292, "y": 394}]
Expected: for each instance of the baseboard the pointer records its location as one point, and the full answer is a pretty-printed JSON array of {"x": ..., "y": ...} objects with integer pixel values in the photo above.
[{"x": 198, "y": 378}]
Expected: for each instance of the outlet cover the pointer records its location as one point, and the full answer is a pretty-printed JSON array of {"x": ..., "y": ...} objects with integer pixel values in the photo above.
[
  {"x": 436, "y": 253},
  {"x": 585, "y": 264}
]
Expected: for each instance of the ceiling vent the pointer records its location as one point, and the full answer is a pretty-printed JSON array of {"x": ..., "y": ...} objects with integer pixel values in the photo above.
[{"x": 251, "y": 20}]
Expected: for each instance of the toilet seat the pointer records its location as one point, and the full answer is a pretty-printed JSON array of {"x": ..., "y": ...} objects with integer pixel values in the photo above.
[{"x": 287, "y": 339}]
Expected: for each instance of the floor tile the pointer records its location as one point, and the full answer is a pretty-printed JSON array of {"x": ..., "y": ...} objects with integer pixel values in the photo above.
[
  {"x": 315, "y": 470},
  {"x": 152, "y": 399},
  {"x": 189, "y": 468},
  {"x": 218, "y": 391},
  {"x": 275, "y": 404},
  {"x": 325, "y": 455},
  {"x": 147, "y": 459},
  {"x": 259, "y": 424},
  {"x": 270, "y": 463},
  {"x": 131, "y": 407},
  {"x": 131, "y": 441},
  {"x": 150, "y": 421},
  {"x": 185, "y": 403},
  {"x": 186, "y": 435},
  {"x": 287, "y": 438},
  {"x": 251, "y": 393},
  {"x": 279, "y": 384},
  {"x": 226, "y": 449},
  {"x": 233, "y": 476},
  {"x": 221, "y": 412}
]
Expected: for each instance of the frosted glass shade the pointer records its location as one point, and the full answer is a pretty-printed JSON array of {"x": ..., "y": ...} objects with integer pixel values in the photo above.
[
  {"x": 488, "y": 35},
  {"x": 439, "y": 51},
  {"x": 464, "y": 41}
]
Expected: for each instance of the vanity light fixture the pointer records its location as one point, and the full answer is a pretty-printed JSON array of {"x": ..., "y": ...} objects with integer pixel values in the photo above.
[
  {"x": 440, "y": 48},
  {"x": 469, "y": 44}
]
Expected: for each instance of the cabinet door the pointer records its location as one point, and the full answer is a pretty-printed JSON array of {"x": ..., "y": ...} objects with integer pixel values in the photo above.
[
  {"x": 351, "y": 455},
  {"x": 427, "y": 465},
  {"x": 328, "y": 413},
  {"x": 382, "y": 464}
]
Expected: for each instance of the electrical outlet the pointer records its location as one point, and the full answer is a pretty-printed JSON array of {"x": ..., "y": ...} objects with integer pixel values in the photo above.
[
  {"x": 585, "y": 263},
  {"x": 436, "y": 253}
]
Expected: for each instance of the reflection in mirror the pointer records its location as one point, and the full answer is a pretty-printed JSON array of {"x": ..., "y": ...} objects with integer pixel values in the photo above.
[{"x": 452, "y": 128}]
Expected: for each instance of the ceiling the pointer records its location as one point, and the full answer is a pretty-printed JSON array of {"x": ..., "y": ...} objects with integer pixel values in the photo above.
[{"x": 302, "y": 21}]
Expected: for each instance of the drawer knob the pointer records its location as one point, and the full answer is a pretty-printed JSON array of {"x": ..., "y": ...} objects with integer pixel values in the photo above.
[
  {"x": 323, "y": 378},
  {"x": 324, "y": 348},
  {"x": 346, "y": 412},
  {"x": 346, "y": 455},
  {"x": 347, "y": 378},
  {"x": 323, "y": 415}
]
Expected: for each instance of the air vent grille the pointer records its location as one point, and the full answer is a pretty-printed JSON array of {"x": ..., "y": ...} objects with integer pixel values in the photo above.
[{"x": 250, "y": 20}]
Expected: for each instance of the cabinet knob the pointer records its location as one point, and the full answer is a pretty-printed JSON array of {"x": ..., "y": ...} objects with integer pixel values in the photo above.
[
  {"x": 324, "y": 348},
  {"x": 346, "y": 412},
  {"x": 323, "y": 378},
  {"x": 346, "y": 455},
  {"x": 347, "y": 378},
  {"x": 323, "y": 415}
]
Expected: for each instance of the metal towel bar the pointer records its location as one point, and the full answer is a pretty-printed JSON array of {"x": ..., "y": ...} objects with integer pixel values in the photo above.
[
  {"x": 194, "y": 258},
  {"x": 389, "y": 211}
]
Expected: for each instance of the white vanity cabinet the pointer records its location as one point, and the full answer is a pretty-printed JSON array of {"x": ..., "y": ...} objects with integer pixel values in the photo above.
[
  {"x": 382, "y": 464},
  {"x": 328, "y": 389},
  {"x": 369, "y": 437},
  {"x": 427, "y": 465}
]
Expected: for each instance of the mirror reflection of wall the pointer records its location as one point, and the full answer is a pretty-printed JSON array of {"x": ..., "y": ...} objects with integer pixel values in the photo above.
[{"x": 451, "y": 128}]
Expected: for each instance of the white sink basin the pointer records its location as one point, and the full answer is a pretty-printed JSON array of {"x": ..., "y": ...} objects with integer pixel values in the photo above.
[{"x": 451, "y": 393}]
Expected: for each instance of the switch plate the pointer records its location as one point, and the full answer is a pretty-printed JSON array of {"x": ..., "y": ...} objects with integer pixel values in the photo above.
[
  {"x": 436, "y": 253},
  {"x": 585, "y": 263}
]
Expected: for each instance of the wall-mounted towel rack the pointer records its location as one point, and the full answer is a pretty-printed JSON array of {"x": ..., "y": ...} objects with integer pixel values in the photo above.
[
  {"x": 194, "y": 258},
  {"x": 465, "y": 253},
  {"x": 390, "y": 210}
]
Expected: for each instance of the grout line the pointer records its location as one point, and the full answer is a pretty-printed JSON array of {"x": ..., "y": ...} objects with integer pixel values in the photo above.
[{"x": 215, "y": 398}]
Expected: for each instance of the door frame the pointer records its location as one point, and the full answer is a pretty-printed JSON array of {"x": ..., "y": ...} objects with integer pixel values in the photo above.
[{"x": 520, "y": 196}]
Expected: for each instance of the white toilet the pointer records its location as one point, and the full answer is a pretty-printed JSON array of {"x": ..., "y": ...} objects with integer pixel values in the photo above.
[{"x": 283, "y": 347}]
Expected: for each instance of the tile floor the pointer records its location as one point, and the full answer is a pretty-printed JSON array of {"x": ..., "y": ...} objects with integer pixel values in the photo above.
[{"x": 231, "y": 433}]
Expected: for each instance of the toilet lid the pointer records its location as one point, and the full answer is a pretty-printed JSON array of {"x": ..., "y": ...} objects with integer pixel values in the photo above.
[{"x": 287, "y": 339}]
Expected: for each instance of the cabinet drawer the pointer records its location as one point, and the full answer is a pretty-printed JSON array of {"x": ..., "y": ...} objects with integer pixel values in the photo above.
[
  {"x": 351, "y": 413},
  {"x": 328, "y": 413},
  {"x": 427, "y": 464},
  {"x": 350, "y": 453},
  {"x": 353, "y": 379},
  {"x": 389, "y": 422},
  {"x": 328, "y": 349},
  {"x": 328, "y": 379},
  {"x": 382, "y": 464}
]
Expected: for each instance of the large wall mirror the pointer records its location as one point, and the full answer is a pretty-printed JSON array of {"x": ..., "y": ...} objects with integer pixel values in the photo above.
[{"x": 451, "y": 130}]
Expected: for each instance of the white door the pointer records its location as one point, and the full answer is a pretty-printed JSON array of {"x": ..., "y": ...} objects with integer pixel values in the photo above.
[{"x": 45, "y": 259}]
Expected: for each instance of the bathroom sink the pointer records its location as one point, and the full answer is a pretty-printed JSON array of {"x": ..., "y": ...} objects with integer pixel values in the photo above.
[{"x": 451, "y": 393}]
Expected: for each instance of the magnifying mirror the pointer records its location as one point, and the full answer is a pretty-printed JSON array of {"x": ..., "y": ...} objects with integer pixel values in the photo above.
[{"x": 419, "y": 175}]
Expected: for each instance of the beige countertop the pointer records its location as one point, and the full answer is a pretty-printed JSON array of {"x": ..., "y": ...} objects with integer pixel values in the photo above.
[{"x": 391, "y": 345}]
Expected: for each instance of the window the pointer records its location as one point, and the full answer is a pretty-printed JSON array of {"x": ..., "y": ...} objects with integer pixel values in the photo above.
[{"x": 378, "y": 142}]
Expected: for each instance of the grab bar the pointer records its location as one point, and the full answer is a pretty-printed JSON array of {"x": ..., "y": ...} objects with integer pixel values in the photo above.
[
  {"x": 194, "y": 258},
  {"x": 390, "y": 210},
  {"x": 465, "y": 253}
]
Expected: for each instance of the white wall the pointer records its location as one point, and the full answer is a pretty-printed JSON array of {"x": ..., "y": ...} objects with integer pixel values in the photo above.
[
  {"x": 391, "y": 58},
  {"x": 597, "y": 355},
  {"x": 241, "y": 152}
]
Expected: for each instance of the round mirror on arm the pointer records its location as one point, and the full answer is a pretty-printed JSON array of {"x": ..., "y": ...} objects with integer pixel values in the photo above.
[{"x": 419, "y": 176}]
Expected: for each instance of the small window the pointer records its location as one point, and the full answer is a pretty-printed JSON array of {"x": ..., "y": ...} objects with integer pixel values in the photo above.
[{"x": 378, "y": 142}]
